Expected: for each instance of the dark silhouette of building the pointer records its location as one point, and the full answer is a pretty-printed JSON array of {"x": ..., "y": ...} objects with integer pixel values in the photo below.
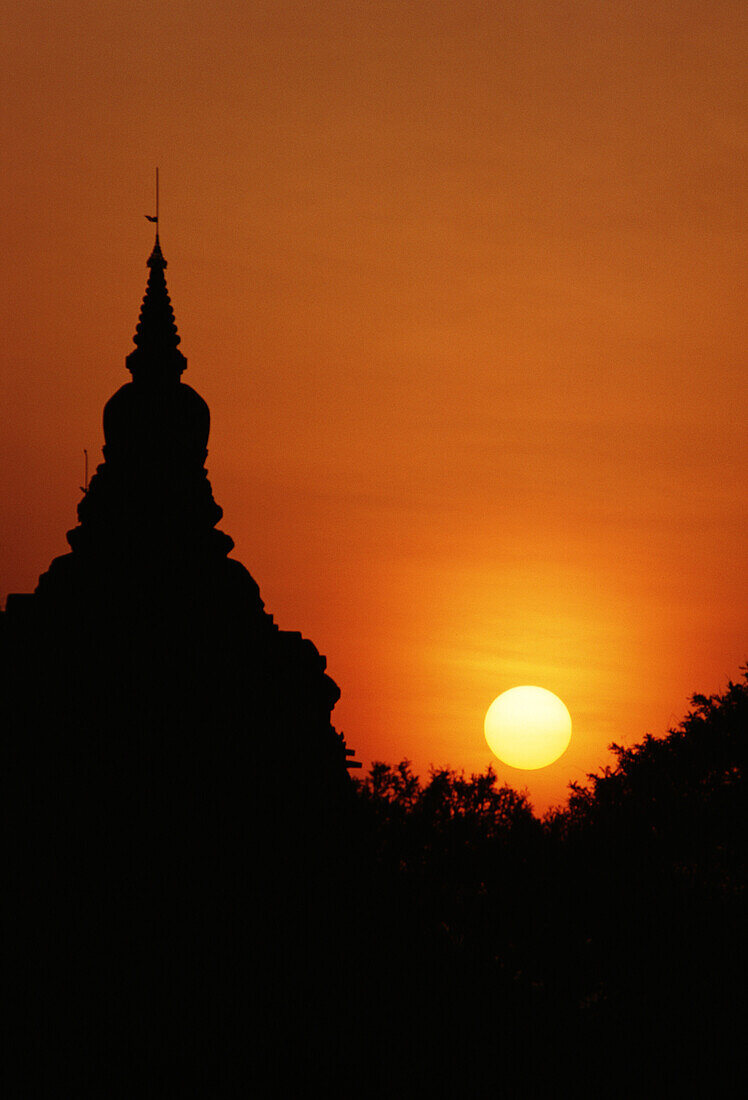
[
  {"x": 178, "y": 804},
  {"x": 195, "y": 904}
]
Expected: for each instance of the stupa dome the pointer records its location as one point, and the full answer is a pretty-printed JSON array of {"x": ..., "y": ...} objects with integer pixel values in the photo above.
[{"x": 167, "y": 423}]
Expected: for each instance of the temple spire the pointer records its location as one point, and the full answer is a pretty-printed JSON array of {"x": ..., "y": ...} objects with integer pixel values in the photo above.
[{"x": 156, "y": 357}]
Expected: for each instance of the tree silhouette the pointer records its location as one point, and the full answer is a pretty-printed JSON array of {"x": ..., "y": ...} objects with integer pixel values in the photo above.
[
  {"x": 682, "y": 798},
  {"x": 615, "y": 925}
]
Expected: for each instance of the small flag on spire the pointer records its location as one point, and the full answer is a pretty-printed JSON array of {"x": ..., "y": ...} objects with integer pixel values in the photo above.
[{"x": 150, "y": 217}]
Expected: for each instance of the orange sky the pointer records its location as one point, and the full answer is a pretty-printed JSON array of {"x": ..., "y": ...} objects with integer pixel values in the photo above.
[{"x": 462, "y": 284}]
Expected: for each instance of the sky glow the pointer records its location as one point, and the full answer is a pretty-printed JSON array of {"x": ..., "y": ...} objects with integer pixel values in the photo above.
[{"x": 462, "y": 284}]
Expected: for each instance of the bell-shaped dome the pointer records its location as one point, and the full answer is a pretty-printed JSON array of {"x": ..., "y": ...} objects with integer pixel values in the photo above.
[
  {"x": 165, "y": 424},
  {"x": 151, "y": 495},
  {"x": 156, "y": 419}
]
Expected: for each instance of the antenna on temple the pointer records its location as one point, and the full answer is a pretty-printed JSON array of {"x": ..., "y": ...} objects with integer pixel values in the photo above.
[
  {"x": 149, "y": 217},
  {"x": 84, "y": 486}
]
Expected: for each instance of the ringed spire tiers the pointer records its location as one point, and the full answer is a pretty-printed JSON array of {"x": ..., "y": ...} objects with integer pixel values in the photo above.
[{"x": 156, "y": 358}]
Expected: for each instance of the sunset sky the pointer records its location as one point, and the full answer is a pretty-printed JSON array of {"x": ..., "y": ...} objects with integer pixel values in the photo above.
[{"x": 463, "y": 284}]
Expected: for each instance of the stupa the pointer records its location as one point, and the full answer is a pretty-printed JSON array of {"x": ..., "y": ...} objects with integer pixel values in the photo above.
[
  {"x": 179, "y": 799},
  {"x": 155, "y": 635}
]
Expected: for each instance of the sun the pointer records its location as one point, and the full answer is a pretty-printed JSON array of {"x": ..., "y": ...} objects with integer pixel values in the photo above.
[{"x": 528, "y": 727}]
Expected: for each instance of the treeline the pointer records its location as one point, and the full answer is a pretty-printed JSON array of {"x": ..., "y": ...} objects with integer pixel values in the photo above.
[{"x": 617, "y": 923}]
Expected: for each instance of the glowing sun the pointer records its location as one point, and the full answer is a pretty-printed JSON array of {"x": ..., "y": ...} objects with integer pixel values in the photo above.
[{"x": 528, "y": 727}]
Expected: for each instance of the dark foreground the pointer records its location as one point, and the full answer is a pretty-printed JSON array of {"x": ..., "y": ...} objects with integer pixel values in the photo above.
[
  {"x": 422, "y": 940},
  {"x": 197, "y": 901}
]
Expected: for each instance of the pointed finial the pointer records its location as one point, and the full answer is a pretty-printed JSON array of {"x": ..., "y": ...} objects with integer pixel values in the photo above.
[
  {"x": 157, "y": 256},
  {"x": 151, "y": 217},
  {"x": 156, "y": 356}
]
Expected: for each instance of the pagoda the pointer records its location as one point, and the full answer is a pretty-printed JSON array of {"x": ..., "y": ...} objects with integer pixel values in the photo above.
[
  {"x": 180, "y": 802},
  {"x": 155, "y": 636}
]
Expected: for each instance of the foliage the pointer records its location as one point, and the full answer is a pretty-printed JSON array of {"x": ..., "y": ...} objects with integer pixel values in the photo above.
[
  {"x": 622, "y": 913},
  {"x": 682, "y": 798},
  {"x": 702, "y": 759},
  {"x": 449, "y": 818},
  {"x": 395, "y": 792}
]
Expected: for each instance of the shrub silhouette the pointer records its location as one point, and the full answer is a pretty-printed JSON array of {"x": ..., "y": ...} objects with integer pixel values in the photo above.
[{"x": 615, "y": 924}]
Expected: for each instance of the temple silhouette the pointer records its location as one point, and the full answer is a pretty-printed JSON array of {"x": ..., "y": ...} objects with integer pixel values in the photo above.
[
  {"x": 196, "y": 900},
  {"x": 150, "y": 627},
  {"x": 179, "y": 804}
]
